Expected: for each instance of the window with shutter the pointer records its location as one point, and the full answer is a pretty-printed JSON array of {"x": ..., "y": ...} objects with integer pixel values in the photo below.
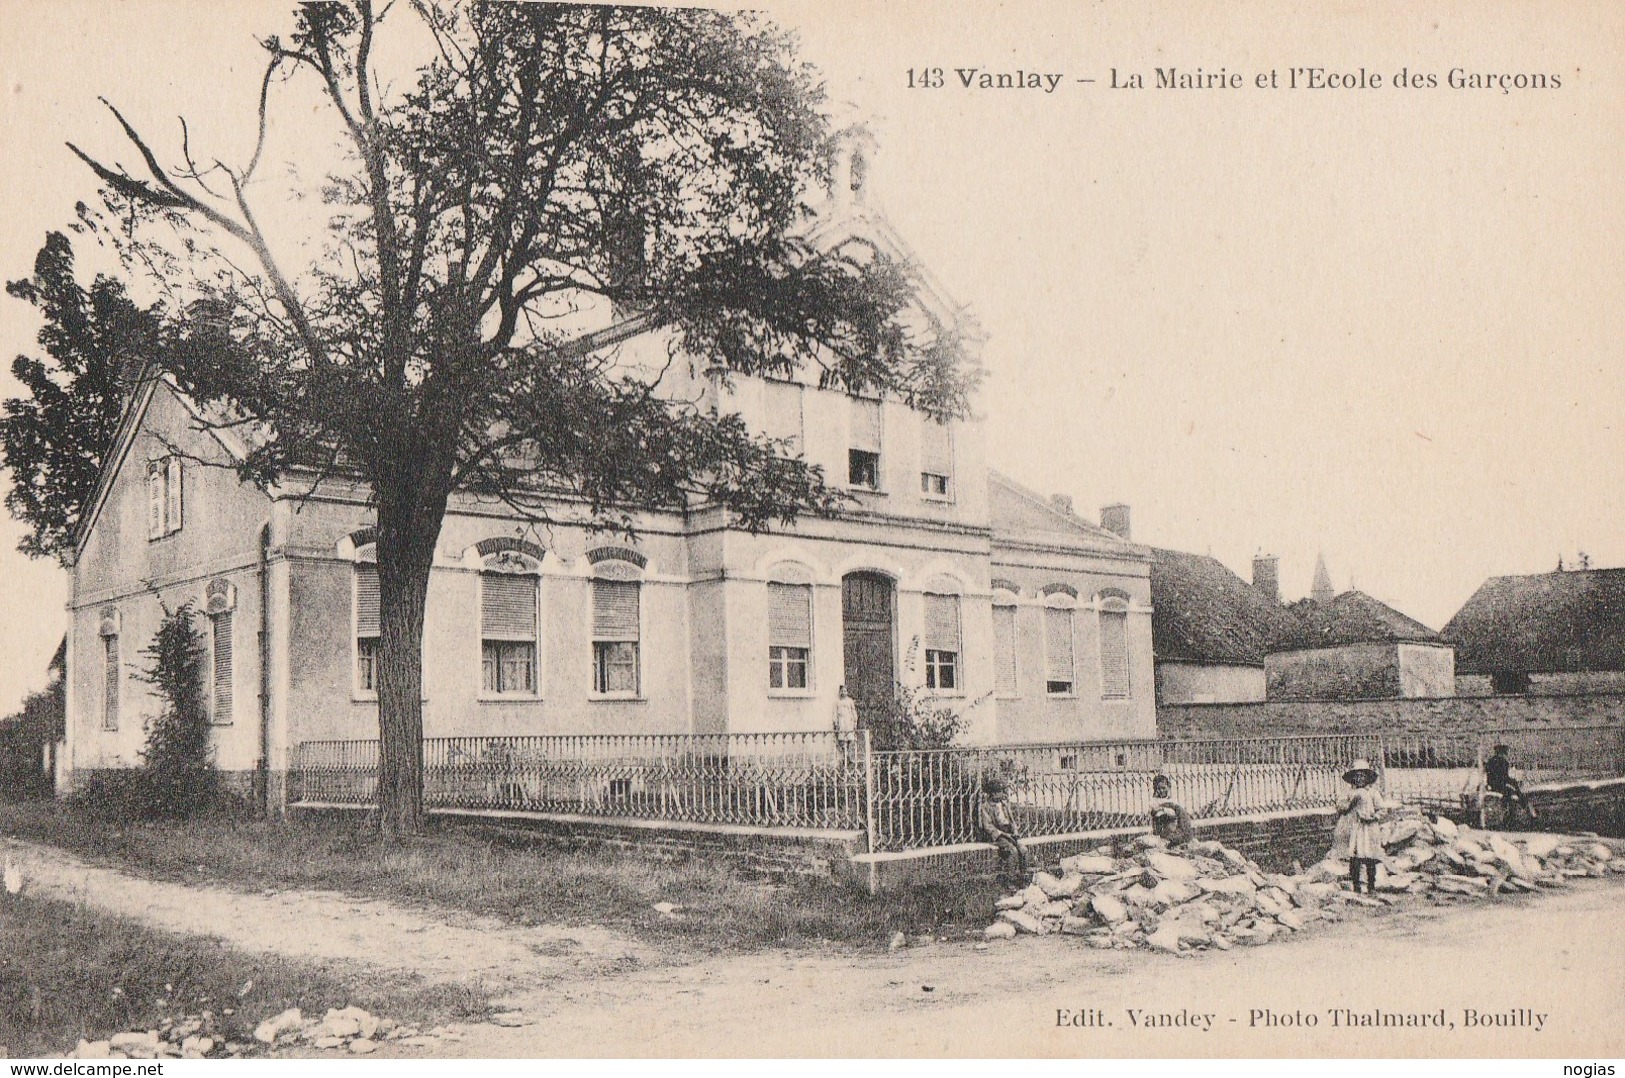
[
  {"x": 942, "y": 642},
  {"x": 789, "y": 635},
  {"x": 366, "y": 627},
  {"x": 110, "y": 682},
  {"x": 615, "y": 633},
  {"x": 866, "y": 425},
  {"x": 1004, "y": 650},
  {"x": 173, "y": 487},
  {"x": 1114, "y": 679},
  {"x": 936, "y": 458},
  {"x": 1058, "y": 666},
  {"x": 155, "y": 499},
  {"x": 508, "y": 633},
  {"x": 220, "y": 713},
  {"x": 782, "y": 407}
]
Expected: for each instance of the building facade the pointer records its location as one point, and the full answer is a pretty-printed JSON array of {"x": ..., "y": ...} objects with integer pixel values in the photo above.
[{"x": 1032, "y": 623}]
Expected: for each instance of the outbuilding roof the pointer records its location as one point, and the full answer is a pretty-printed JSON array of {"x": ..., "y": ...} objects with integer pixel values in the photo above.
[{"x": 1544, "y": 623}]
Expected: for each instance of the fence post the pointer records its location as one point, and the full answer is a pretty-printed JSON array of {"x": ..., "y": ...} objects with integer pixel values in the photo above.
[{"x": 869, "y": 808}]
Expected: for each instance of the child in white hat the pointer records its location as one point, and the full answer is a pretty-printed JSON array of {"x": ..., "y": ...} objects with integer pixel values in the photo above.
[{"x": 1363, "y": 810}]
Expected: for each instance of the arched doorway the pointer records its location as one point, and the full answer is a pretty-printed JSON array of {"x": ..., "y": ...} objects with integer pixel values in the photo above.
[{"x": 868, "y": 628}]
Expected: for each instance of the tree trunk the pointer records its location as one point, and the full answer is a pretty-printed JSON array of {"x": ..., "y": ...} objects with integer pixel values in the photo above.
[{"x": 408, "y": 528}]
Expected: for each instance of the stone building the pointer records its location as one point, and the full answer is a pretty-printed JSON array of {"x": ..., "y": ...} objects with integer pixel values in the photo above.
[
  {"x": 1034, "y": 623},
  {"x": 1544, "y": 634},
  {"x": 1355, "y": 647},
  {"x": 1210, "y": 629}
]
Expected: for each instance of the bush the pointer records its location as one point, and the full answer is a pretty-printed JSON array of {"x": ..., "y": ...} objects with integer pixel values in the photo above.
[{"x": 177, "y": 778}]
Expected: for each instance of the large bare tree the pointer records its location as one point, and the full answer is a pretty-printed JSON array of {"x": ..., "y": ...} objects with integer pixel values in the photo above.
[{"x": 548, "y": 173}]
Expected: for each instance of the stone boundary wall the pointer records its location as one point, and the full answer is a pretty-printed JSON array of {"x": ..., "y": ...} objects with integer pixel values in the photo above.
[{"x": 1279, "y": 718}]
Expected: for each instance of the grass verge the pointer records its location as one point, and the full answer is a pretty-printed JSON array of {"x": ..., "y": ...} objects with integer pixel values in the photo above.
[
  {"x": 521, "y": 883},
  {"x": 68, "y": 972}
]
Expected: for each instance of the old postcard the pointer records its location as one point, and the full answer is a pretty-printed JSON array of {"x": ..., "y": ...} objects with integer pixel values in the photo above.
[{"x": 845, "y": 529}]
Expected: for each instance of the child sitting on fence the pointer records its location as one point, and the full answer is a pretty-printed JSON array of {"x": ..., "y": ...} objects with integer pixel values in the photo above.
[
  {"x": 998, "y": 826},
  {"x": 1498, "y": 777},
  {"x": 1169, "y": 820}
]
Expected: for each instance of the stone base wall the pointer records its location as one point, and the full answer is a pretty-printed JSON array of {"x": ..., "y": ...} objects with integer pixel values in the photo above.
[{"x": 1278, "y": 718}]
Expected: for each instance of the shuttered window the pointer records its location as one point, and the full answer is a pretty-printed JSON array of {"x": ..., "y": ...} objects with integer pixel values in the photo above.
[
  {"x": 1114, "y": 680},
  {"x": 936, "y": 458},
  {"x": 508, "y": 633},
  {"x": 110, "y": 682},
  {"x": 507, "y": 606},
  {"x": 615, "y": 636},
  {"x": 782, "y": 408},
  {"x": 155, "y": 499},
  {"x": 221, "y": 680},
  {"x": 615, "y": 609},
  {"x": 789, "y": 615},
  {"x": 866, "y": 425},
  {"x": 1004, "y": 650},
  {"x": 172, "y": 495},
  {"x": 942, "y": 622},
  {"x": 789, "y": 635},
  {"x": 1058, "y": 667},
  {"x": 163, "y": 497},
  {"x": 942, "y": 642},
  {"x": 366, "y": 627}
]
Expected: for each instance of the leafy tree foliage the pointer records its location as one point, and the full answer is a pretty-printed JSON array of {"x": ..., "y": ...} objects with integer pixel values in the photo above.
[
  {"x": 54, "y": 438},
  {"x": 552, "y": 179}
]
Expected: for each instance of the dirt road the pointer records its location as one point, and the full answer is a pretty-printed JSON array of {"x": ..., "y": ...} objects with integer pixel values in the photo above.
[{"x": 1556, "y": 960}]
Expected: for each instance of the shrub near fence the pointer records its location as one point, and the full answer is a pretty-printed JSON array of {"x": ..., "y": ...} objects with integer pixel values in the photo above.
[{"x": 922, "y": 798}]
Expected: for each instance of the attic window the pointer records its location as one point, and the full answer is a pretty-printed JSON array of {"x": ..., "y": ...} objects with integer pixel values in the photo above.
[{"x": 164, "y": 485}]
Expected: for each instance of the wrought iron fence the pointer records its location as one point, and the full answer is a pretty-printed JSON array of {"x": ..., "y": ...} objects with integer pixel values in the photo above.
[
  {"x": 1439, "y": 769},
  {"x": 929, "y": 798},
  {"x": 807, "y": 780},
  {"x": 916, "y": 799}
]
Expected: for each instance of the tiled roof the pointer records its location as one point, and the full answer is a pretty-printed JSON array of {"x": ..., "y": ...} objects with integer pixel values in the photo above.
[
  {"x": 1203, "y": 612},
  {"x": 1545, "y": 623},
  {"x": 1351, "y": 618}
]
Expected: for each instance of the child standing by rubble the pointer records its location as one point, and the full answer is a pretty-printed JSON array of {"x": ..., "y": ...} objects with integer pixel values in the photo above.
[{"x": 1362, "y": 818}]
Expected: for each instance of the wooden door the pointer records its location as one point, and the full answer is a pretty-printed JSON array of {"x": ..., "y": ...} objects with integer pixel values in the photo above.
[{"x": 868, "y": 603}]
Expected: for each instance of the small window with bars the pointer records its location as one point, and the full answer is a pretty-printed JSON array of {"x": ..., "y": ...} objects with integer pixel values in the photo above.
[
  {"x": 508, "y": 621},
  {"x": 789, "y": 637},
  {"x": 942, "y": 670},
  {"x": 616, "y": 624}
]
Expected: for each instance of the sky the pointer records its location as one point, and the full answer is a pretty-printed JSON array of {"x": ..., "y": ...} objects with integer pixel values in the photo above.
[{"x": 1379, "y": 323}]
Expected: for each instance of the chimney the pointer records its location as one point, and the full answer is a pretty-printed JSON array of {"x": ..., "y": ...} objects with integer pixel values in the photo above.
[
  {"x": 1062, "y": 503},
  {"x": 1267, "y": 576},
  {"x": 1114, "y": 518}
]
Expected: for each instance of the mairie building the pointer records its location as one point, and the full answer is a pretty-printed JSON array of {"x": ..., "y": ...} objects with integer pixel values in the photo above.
[{"x": 1032, "y": 622}]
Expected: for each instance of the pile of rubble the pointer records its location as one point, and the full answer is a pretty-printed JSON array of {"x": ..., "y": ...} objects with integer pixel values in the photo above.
[
  {"x": 1208, "y": 895},
  {"x": 346, "y": 1029}
]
